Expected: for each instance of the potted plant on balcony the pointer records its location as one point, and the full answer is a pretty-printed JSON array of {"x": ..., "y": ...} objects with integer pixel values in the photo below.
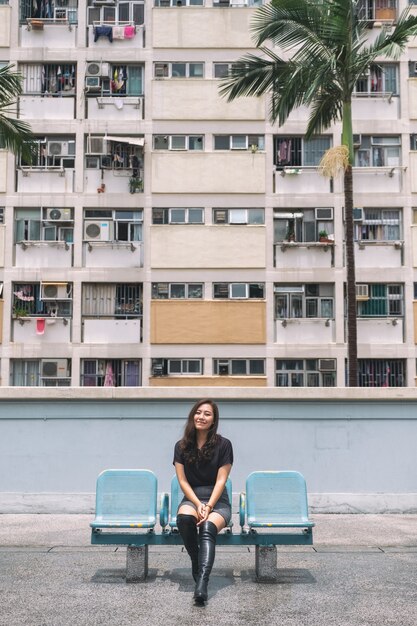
[
  {"x": 135, "y": 184},
  {"x": 323, "y": 236}
]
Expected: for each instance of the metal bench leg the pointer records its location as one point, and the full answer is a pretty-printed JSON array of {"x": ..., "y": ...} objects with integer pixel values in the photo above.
[
  {"x": 136, "y": 564},
  {"x": 266, "y": 564}
]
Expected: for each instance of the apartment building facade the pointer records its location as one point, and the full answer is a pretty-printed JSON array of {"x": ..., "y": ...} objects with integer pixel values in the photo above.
[{"x": 165, "y": 237}]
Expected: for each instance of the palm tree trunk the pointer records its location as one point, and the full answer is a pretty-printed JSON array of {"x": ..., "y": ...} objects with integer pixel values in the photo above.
[{"x": 347, "y": 140}]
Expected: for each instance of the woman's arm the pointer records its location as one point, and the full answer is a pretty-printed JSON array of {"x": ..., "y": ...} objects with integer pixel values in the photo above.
[
  {"x": 186, "y": 487},
  {"x": 222, "y": 476}
]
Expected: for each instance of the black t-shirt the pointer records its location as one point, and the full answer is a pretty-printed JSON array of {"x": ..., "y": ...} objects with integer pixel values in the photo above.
[{"x": 204, "y": 473}]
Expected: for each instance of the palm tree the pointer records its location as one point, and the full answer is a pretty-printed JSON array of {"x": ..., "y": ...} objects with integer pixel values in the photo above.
[
  {"x": 15, "y": 135},
  {"x": 328, "y": 52}
]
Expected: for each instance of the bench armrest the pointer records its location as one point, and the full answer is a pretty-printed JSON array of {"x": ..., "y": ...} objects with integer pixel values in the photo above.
[
  {"x": 242, "y": 509},
  {"x": 164, "y": 510}
]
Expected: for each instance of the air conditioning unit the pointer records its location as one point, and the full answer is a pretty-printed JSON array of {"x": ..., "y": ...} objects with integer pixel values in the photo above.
[
  {"x": 220, "y": 217},
  {"x": 157, "y": 369},
  {"x": 95, "y": 68},
  {"x": 58, "y": 148},
  {"x": 93, "y": 83},
  {"x": 58, "y": 215},
  {"x": 54, "y": 291},
  {"x": 98, "y": 230},
  {"x": 161, "y": 70},
  {"x": 357, "y": 214},
  {"x": 324, "y": 215},
  {"x": 223, "y": 368},
  {"x": 362, "y": 292},
  {"x": 357, "y": 140},
  {"x": 96, "y": 145},
  {"x": 327, "y": 365},
  {"x": 54, "y": 368}
]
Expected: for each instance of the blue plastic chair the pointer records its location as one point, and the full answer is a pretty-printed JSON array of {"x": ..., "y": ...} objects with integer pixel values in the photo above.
[
  {"x": 177, "y": 495},
  {"x": 277, "y": 500},
  {"x": 126, "y": 499}
]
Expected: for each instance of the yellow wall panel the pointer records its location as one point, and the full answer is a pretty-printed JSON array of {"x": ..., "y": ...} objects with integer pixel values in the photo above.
[
  {"x": 208, "y": 381},
  {"x": 208, "y": 322}
]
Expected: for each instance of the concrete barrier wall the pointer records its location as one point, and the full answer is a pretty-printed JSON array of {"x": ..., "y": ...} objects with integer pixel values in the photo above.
[{"x": 357, "y": 455}]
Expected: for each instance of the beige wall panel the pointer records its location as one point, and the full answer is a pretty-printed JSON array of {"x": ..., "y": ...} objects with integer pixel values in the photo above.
[
  {"x": 5, "y": 26},
  {"x": 414, "y": 243},
  {"x": 3, "y": 171},
  {"x": 413, "y": 171},
  {"x": 2, "y": 240},
  {"x": 208, "y": 381},
  {"x": 208, "y": 322},
  {"x": 199, "y": 27},
  {"x": 415, "y": 321},
  {"x": 412, "y": 98},
  {"x": 208, "y": 172},
  {"x": 193, "y": 246},
  {"x": 200, "y": 100},
  {"x": 1, "y": 320}
]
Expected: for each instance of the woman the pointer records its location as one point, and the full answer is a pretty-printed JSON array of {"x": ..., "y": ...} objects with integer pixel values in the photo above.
[{"x": 203, "y": 460}]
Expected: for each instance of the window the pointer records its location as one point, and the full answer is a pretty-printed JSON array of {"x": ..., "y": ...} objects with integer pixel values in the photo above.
[
  {"x": 382, "y": 301},
  {"x": 104, "y": 79},
  {"x": 177, "y": 291},
  {"x": 377, "y": 151},
  {"x": 239, "y": 142},
  {"x": 177, "y": 367},
  {"x": 62, "y": 10},
  {"x": 238, "y": 291},
  {"x": 177, "y": 216},
  {"x": 1, "y": 214},
  {"x": 178, "y": 70},
  {"x": 121, "y": 12},
  {"x": 379, "y": 225},
  {"x": 178, "y": 3},
  {"x": 52, "y": 153},
  {"x": 237, "y": 3},
  {"x": 302, "y": 225},
  {"x": 239, "y": 216},
  {"x": 300, "y": 152},
  {"x": 305, "y": 372},
  {"x": 121, "y": 153},
  {"x": 110, "y": 373},
  {"x": 304, "y": 301},
  {"x": 222, "y": 70},
  {"x": 114, "y": 301},
  {"x": 239, "y": 367},
  {"x": 42, "y": 299},
  {"x": 178, "y": 142},
  {"x": 381, "y": 373},
  {"x": 51, "y": 79},
  {"x": 380, "y": 79},
  {"x": 45, "y": 373},
  {"x": 120, "y": 224},
  {"x": 47, "y": 224}
]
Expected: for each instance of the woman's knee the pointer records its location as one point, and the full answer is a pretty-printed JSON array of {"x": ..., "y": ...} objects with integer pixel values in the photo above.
[
  {"x": 218, "y": 520},
  {"x": 186, "y": 509}
]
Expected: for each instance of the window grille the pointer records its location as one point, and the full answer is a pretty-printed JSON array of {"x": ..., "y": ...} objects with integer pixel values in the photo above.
[
  {"x": 113, "y": 301},
  {"x": 381, "y": 373},
  {"x": 110, "y": 373}
]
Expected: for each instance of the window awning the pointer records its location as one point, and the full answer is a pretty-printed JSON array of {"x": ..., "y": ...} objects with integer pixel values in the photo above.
[
  {"x": 134, "y": 141},
  {"x": 287, "y": 216}
]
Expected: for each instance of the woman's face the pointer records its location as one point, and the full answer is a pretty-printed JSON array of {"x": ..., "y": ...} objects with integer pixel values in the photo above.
[{"x": 204, "y": 418}]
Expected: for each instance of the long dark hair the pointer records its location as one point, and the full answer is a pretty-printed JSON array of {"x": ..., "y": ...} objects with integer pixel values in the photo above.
[{"x": 189, "y": 440}]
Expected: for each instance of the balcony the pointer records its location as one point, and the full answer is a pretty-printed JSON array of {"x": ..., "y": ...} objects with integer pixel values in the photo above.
[
  {"x": 121, "y": 108},
  {"x": 190, "y": 99},
  {"x": 200, "y": 246},
  {"x": 200, "y": 27},
  {"x": 294, "y": 255},
  {"x": 297, "y": 181},
  {"x": 377, "y": 254},
  {"x": 111, "y": 331},
  {"x": 113, "y": 254},
  {"x": 208, "y": 172},
  {"x": 380, "y": 331},
  {"x": 113, "y": 164},
  {"x": 46, "y": 108},
  {"x": 381, "y": 106},
  {"x": 50, "y": 32},
  {"x": 54, "y": 179},
  {"x": 44, "y": 254},
  {"x": 41, "y": 330},
  {"x": 117, "y": 36},
  {"x": 378, "y": 179},
  {"x": 298, "y": 331}
]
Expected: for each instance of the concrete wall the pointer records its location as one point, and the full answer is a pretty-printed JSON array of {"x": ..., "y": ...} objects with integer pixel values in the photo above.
[{"x": 356, "y": 448}]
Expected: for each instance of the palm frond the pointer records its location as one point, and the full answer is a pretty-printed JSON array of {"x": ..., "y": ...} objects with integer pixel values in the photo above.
[
  {"x": 252, "y": 75},
  {"x": 15, "y": 135}
]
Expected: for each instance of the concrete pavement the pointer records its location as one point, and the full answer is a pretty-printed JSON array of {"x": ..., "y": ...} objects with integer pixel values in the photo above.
[{"x": 362, "y": 570}]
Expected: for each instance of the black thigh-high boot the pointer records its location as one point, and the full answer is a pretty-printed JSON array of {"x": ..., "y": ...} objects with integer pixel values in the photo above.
[
  {"x": 208, "y": 536},
  {"x": 187, "y": 526}
]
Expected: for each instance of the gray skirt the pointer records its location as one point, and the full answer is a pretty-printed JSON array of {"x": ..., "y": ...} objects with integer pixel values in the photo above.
[{"x": 222, "y": 507}]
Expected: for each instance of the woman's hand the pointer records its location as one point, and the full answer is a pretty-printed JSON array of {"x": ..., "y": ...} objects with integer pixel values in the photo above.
[
  {"x": 201, "y": 510},
  {"x": 205, "y": 513}
]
